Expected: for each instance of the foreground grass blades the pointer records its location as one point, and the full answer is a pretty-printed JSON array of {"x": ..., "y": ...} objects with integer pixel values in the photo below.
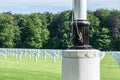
[
  {"x": 109, "y": 69},
  {"x": 26, "y": 69},
  {"x": 13, "y": 69}
]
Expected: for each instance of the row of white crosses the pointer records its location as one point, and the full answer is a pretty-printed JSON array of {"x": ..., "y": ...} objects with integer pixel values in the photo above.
[
  {"x": 52, "y": 53},
  {"x": 115, "y": 55},
  {"x": 18, "y": 53}
]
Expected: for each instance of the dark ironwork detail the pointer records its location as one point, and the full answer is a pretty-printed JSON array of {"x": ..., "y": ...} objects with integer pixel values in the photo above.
[{"x": 81, "y": 34}]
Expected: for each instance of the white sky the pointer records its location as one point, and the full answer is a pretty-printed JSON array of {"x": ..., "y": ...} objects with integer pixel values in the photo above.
[{"x": 29, "y": 6}]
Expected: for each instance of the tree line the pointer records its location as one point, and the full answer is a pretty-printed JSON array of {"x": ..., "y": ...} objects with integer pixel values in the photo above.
[{"x": 53, "y": 30}]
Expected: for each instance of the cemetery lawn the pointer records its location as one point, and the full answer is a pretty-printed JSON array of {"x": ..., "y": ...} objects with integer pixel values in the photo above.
[
  {"x": 110, "y": 70},
  {"x": 26, "y": 69}
]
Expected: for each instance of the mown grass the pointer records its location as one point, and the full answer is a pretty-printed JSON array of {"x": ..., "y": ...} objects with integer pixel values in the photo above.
[
  {"x": 110, "y": 70},
  {"x": 26, "y": 69},
  {"x": 13, "y": 69}
]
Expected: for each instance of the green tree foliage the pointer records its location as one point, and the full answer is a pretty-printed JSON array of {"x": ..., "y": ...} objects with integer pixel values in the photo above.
[
  {"x": 110, "y": 19},
  {"x": 37, "y": 32},
  {"x": 116, "y": 43},
  {"x": 103, "y": 39},
  {"x": 51, "y": 43},
  {"x": 8, "y": 30},
  {"x": 114, "y": 27},
  {"x": 48, "y": 30},
  {"x": 60, "y": 29},
  {"x": 99, "y": 36},
  {"x": 114, "y": 24},
  {"x": 20, "y": 20},
  {"x": 64, "y": 29},
  {"x": 34, "y": 32},
  {"x": 102, "y": 15}
]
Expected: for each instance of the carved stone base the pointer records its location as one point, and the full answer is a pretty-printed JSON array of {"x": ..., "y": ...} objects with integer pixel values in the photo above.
[
  {"x": 81, "y": 47},
  {"x": 81, "y": 65}
]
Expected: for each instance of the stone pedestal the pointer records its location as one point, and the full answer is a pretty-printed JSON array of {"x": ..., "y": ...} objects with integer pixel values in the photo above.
[{"x": 81, "y": 65}]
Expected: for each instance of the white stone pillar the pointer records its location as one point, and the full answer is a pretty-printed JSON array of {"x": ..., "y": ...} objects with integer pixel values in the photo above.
[
  {"x": 81, "y": 65},
  {"x": 80, "y": 9}
]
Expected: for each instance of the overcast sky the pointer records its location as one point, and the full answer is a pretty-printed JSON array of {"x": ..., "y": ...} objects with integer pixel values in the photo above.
[{"x": 29, "y": 6}]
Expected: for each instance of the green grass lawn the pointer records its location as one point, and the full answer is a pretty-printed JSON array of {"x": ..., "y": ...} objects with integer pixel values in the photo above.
[
  {"x": 109, "y": 69},
  {"x": 13, "y": 69}
]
